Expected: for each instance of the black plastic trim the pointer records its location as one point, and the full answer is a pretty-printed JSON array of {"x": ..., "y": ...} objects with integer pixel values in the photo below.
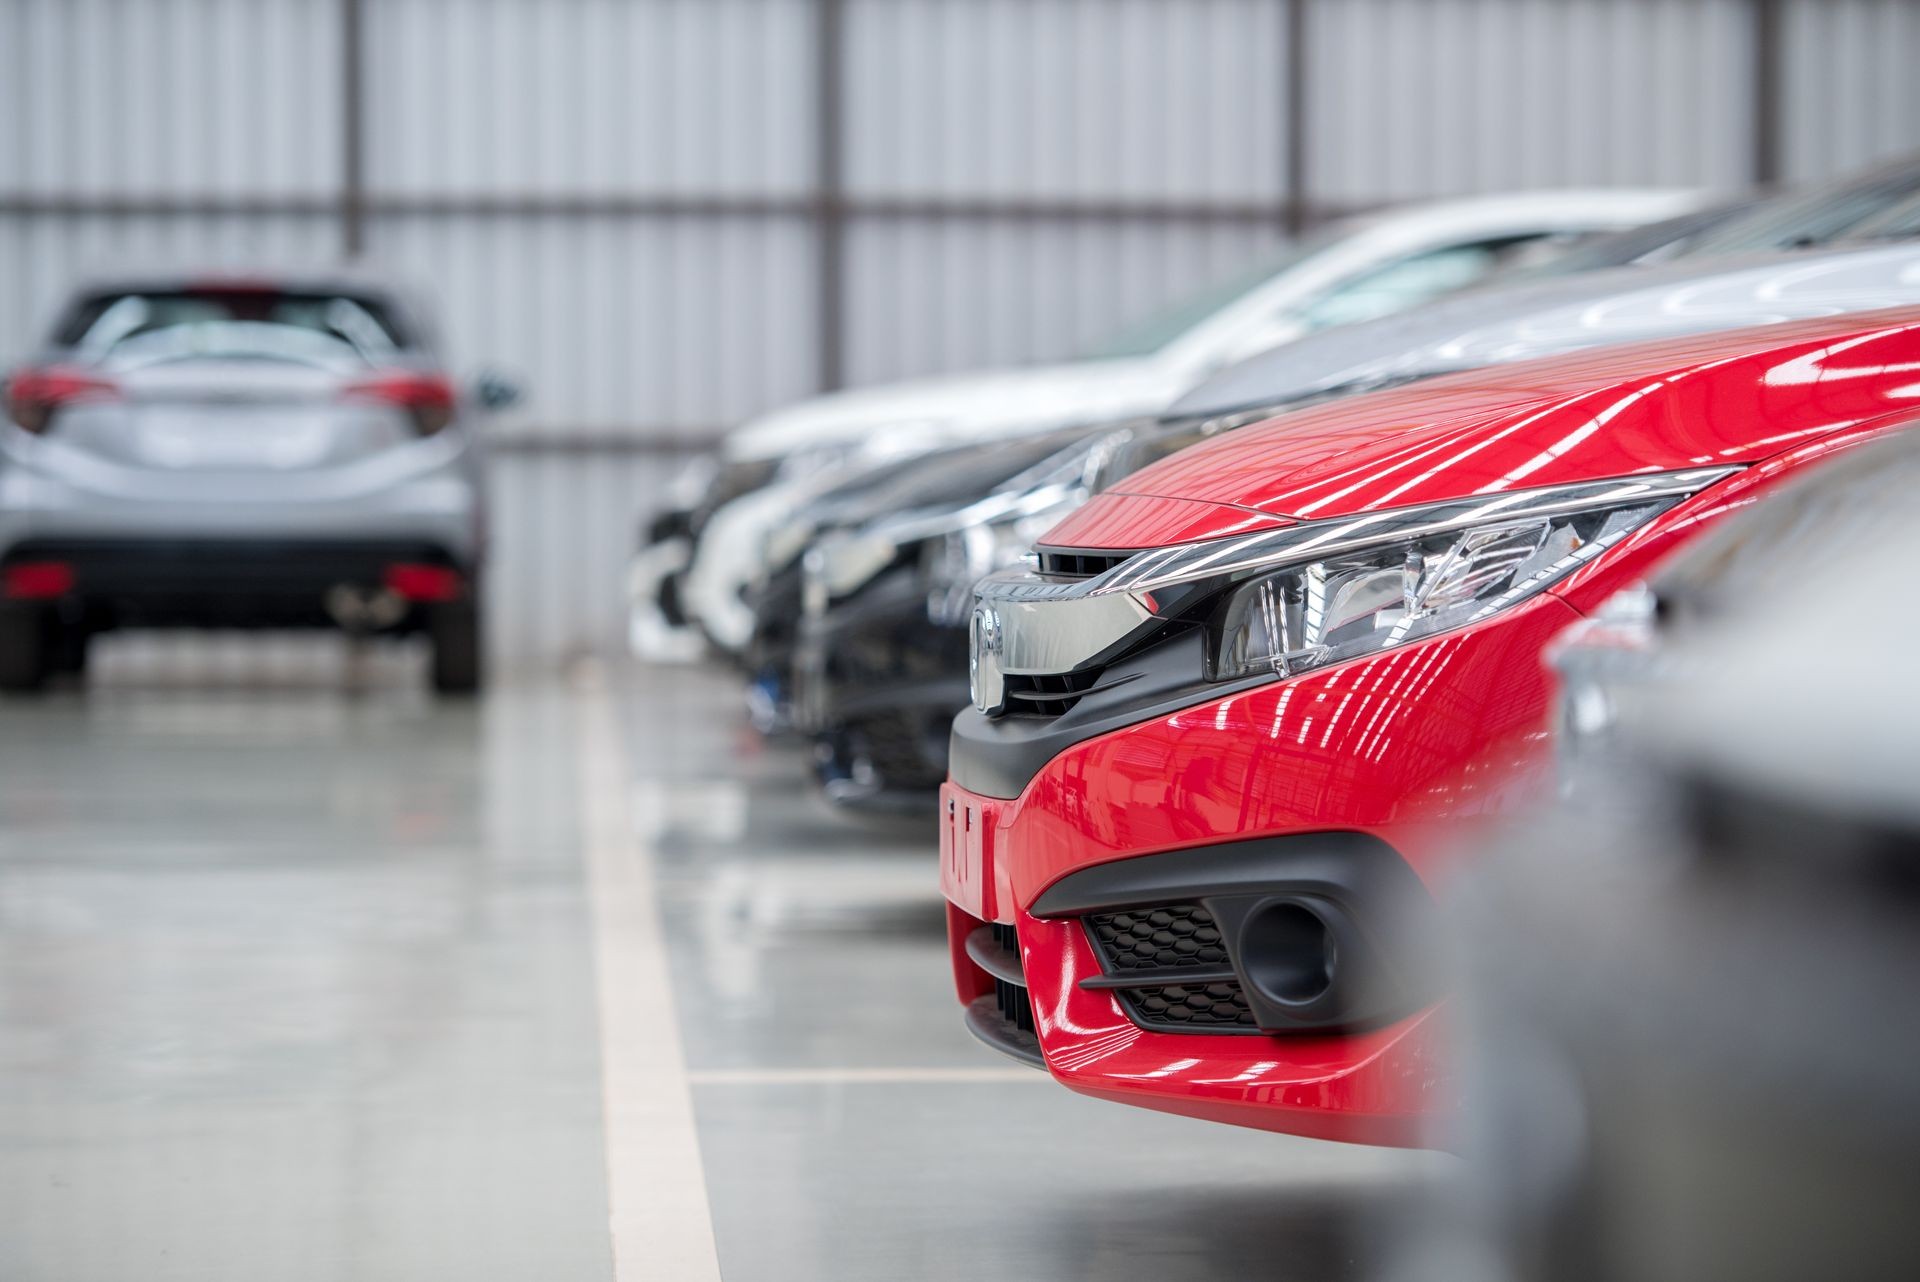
[
  {"x": 987, "y": 953},
  {"x": 1161, "y": 978},
  {"x": 999, "y": 756},
  {"x": 233, "y": 582},
  {"x": 1378, "y": 914},
  {"x": 984, "y": 1021}
]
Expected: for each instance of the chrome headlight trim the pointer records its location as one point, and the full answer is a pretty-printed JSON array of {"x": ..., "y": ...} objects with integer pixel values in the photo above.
[
  {"x": 1043, "y": 625},
  {"x": 1313, "y": 540}
]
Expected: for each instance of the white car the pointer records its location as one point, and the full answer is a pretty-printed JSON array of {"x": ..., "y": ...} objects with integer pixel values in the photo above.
[{"x": 1357, "y": 270}]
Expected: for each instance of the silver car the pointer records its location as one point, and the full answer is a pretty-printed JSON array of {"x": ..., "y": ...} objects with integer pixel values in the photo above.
[{"x": 238, "y": 453}]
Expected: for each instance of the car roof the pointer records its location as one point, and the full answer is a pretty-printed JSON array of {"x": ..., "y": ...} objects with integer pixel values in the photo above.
[{"x": 342, "y": 278}]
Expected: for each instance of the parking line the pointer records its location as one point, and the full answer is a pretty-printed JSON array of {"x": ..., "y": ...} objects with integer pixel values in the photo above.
[{"x": 657, "y": 1209}]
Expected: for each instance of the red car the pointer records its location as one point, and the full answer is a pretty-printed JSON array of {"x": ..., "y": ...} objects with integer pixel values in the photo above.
[{"x": 1230, "y": 731}]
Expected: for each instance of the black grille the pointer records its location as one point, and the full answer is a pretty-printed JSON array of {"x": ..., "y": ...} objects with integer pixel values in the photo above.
[
  {"x": 901, "y": 748},
  {"x": 1158, "y": 944},
  {"x": 1166, "y": 938},
  {"x": 1048, "y": 695},
  {"x": 1189, "y": 1006},
  {"x": 1012, "y": 1000},
  {"x": 1079, "y": 565}
]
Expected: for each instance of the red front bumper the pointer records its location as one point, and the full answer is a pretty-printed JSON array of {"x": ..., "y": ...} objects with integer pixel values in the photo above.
[{"x": 1412, "y": 747}]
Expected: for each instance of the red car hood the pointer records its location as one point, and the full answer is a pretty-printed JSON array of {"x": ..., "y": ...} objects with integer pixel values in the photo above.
[{"x": 1724, "y": 398}]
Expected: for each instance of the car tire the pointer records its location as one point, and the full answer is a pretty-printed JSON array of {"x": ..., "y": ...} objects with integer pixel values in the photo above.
[
  {"x": 453, "y": 627},
  {"x": 25, "y": 656},
  {"x": 67, "y": 648}
]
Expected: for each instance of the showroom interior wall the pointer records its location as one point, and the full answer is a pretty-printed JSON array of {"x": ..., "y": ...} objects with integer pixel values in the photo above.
[{"x": 667, "y": 215}]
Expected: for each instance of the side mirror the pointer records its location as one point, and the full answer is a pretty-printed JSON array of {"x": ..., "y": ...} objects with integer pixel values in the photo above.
[{"x": 496, "y": 391}]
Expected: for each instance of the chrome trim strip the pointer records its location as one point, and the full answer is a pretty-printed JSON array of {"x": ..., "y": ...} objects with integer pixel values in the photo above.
[
  {"x": 1187, "y": 562},
  {"x": 1161, "y": 977}
]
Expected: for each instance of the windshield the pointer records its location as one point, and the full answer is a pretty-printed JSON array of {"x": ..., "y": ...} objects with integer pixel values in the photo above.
[
  {"x": 1655, "y": 242},
  {"x": 1812, "y": 218},
  {"x": 128, "y": 328},
  {"x": 1901, "y": 222},
  {"x": 1175, "y": 323}
]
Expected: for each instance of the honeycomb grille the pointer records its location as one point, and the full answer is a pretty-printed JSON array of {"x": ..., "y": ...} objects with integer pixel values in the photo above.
[
  {"x": 1176, "y": 936},
  {"x": 1150, "y": 943},
  {"x": 1189, "y": 1006}
]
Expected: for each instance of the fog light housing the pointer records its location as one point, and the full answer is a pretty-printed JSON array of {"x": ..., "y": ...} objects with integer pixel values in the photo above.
[{"x": 1288, "y": 952}]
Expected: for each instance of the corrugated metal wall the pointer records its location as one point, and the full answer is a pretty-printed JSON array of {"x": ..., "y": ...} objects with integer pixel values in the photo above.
[
  {"x": 1423, "y": 97},
  {"x": 668, "y": 215}
]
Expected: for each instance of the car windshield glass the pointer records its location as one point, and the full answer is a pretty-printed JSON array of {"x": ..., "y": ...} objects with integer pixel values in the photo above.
[
  {"x": 1902, "y": 222},
  {"x": 232, "y": 341},
  {"x": 1812, "y": 218},
  {"x": 142, "y": 326},
  {"x": 1653, "y": 243},
  {"x": 1176, "y": 322}
]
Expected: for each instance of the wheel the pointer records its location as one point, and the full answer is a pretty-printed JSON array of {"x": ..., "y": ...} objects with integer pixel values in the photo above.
[
  {"x": 453, "y": 627},
  {"x": 67, "y": 648},
  {"x": 25, "y": 656}
]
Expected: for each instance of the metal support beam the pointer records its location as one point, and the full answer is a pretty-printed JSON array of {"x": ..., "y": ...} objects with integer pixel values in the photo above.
[
  {"x": 829, "y": 184},
  {"x": 353, "y": 132},
  {"x": 605, "y": 205},
  {"x": 1294, "y": 161},
  {"x": 1769, "y": 91}
]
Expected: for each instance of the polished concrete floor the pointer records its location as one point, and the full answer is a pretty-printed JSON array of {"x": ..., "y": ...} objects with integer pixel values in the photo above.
[{"x": 298, "y": 980}]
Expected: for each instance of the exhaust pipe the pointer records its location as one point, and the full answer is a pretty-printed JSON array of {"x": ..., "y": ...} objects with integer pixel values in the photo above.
[{"x": 358, "y": 609}]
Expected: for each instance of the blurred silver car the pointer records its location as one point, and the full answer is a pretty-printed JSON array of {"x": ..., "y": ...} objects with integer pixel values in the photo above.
[
  {"x": 229, "y": 452},
  {"x": 1683, "y": 995}
]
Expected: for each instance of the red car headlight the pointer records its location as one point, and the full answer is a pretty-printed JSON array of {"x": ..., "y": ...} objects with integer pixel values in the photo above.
[{"x": 1340, "y": 608}]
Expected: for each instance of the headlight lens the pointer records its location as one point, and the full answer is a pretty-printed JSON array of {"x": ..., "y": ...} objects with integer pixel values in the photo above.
[
  {"x": 952, "y": 565},
  {"x": 1328, "y": 611},
  {"x": 999, "y": 531},
  {"x": 840, "y": 563}
]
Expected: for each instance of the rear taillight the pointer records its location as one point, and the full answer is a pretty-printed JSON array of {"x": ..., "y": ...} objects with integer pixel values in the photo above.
[
  {"x": 427, "y": 398},
  {"x": 36, "y": 580},
  {"x": 33, "y": 395},
  {"x": 419, "y": 581}
]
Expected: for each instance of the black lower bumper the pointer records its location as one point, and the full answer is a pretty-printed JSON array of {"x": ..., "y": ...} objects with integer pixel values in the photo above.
[
  {"x": 224, "y": 582},
  {"x": 1302, "y": 933}
]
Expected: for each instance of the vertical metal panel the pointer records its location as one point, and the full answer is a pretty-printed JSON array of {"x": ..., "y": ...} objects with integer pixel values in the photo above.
[
  {"x": 590, "y": 96},
  {"x": 1415, "y": 98},
  {"x": 564, "y": 526},
  {"x": 935, "y": 295},
  {"x": 1054, "y": 98},
  {"x": 648, "y": 327},
  {"x": 235, "y": 97},
  {"x": 1852, "y": 92}
]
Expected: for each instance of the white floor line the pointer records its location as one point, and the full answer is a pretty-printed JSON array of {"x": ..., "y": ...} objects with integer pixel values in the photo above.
[
  {"x": 859, "y": 1076},
  {"x": 657, "y": 1209}
]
